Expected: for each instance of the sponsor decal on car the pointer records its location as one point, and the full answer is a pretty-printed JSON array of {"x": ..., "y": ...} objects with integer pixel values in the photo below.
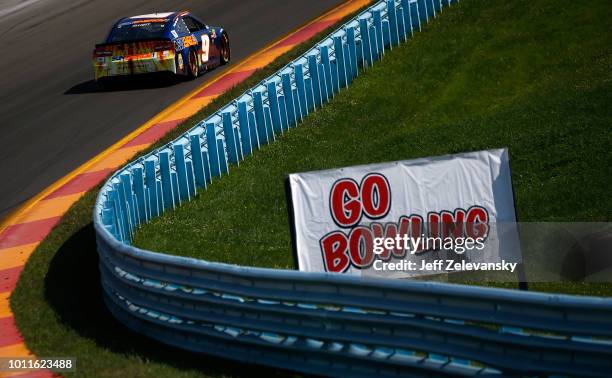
[{"x": 189, "y": 41}]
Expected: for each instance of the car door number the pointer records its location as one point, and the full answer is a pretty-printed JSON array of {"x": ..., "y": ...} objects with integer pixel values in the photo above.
[{"x": 205, "y": 47}]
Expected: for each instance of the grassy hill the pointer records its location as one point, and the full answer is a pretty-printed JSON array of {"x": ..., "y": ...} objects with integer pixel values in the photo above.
[{"x": 534, "y": 76}]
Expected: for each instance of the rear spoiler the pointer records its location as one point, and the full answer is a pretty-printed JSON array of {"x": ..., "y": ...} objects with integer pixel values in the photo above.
[{"x": 104, "y": 44}]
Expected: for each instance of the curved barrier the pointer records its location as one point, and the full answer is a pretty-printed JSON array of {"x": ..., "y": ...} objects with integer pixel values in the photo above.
[{"x": 326, "y": 324}]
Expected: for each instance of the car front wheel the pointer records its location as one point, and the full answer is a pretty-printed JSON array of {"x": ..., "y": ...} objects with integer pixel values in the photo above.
[{"x": 225, "y": 49}]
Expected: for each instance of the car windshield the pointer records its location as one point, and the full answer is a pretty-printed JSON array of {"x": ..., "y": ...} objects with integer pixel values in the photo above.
[{"x": 133, "y": 31}]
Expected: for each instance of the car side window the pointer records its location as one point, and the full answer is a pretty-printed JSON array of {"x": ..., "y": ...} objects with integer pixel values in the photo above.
[
  {"x": 200, "y": 25},
  {"x": 180, "y": 27},
  {"x": 192, "y": 24}
]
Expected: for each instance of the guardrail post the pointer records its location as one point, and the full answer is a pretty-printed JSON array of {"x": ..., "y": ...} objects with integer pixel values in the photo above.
[
  {"x": 108, "y": 219},
  {"x": 260, "y": 117},
  {"x": 114, "y": 198},
  {"x": 298, "y": 71},
  {"x": 431, "y": 11},
  {"x": 324, "y": 50},
  {"x": 359, "y": 47},
  {"x": 415, "y": 18},
  {"x": 138, "y": 183},
  {"x": 213, "y": 155},
  {"x": 352, "y": 48},
  {"x": 407, "y": 18},
  {"x": 125, "y": 230},
  {"x": 380, "y": 43},
  {"x": 222, "y": 159},
  {"x": 289, "y": 102},
  {"x": 126, "y": 183},
  {"x": 166, "y": 179},
  {"x": 253, "y": 130},
  {"x": 347, "y": 63},
  {"x": 179, "y": 161},
  {"x": 334, "y": 75},
  {"x": 238, "y": 143},
  {"x": 160, "y": 199},
  {"x": 274, "y": 108},
  {"x": 374, "y": 41},
  {"x": 135, "y": 209},
  {"x": 198, "y": 165},
  {"x": 309, "y": 95},
  {"x": 245, "y": 133},
  {"x": 152, "y": 186},
  {"x": 313, "y": 70},
  {"x": 401, "y": 26},
  {"x": 366, "y": 42},
  {"x": 323, "y": 83},
  {"x": 118, "y": 216},
  {"x": 386, "y": 35},
  {"x": 392, "y": 15},
  {"x": 175, "y": 188},
  {"x": 436, "y": 6},
  {"x": 296, "y": 106},
  {"x": 125, "y": 218},
  {"x": 422, "y": 11},
  {"x": 269, "y": 127},
  {"x": 190, "y": 178},
  {"x": 206, "y": 164},
  {"x": 282, "y": 108},
  {"x": 230, "y": 140},
  {"x": 339, "y": 51}
]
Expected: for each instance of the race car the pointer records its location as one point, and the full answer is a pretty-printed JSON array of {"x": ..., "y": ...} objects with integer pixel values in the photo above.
[{"x": 176, "y": 42}]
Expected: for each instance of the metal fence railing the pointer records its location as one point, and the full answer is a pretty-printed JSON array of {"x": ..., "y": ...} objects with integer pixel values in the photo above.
[{"x": 326, "y": 324}]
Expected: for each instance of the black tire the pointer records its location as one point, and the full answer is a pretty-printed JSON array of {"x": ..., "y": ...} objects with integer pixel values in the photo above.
[
  {"x": 225, "y": 49},
  {"x": 193, "y": 68}
]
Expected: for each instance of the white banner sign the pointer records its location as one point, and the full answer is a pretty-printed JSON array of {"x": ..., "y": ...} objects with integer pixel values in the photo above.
[{"x": 354, "y": 219}]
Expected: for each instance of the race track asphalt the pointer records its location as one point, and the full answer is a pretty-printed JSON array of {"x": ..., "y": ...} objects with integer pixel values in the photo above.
[{"x": 53, "y": 117}]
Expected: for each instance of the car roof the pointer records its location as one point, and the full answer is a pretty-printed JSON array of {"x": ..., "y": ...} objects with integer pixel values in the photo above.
[
  {"x": 165, "y": 17},
  {"x": 153, "y": 17}
]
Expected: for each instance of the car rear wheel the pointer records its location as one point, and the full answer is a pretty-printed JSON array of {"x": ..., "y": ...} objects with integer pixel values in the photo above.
[
  {"x": 225, "y": 49},
  {"x": 193, "y": 69}
]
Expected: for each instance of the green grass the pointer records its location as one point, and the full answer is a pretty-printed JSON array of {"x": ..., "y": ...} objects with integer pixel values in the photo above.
[
  {"x": 534, "y": 76},
  {"x": 58, "y": 303}
]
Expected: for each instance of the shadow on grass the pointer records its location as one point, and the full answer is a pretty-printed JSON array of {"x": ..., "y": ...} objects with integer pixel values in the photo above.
[{"x": 74, "y": 291}]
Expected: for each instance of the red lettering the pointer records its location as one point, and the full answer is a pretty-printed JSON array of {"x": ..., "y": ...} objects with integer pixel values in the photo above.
[
  {"x": 375, "y": 195},
  {"x": 361, "y": 247},
  {"x": 433, "y": 220},
  {"x": 477, "y": 222},
  {"x": 334, "y": 247},
  {"x": 452, "y": 224},
  {"x": 344, "y": 202}
]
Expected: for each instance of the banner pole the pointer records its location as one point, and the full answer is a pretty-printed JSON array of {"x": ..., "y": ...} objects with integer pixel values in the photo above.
[
  {"x": 291, "y": 218},
  {"x": 520, "y": 269}
]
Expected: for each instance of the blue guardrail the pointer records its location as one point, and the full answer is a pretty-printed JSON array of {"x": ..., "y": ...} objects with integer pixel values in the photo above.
[{"x": 326, "y": 324}]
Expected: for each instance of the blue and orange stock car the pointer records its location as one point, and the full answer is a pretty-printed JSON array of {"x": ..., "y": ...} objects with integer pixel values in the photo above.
[{"x": 174, "y": 42}]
